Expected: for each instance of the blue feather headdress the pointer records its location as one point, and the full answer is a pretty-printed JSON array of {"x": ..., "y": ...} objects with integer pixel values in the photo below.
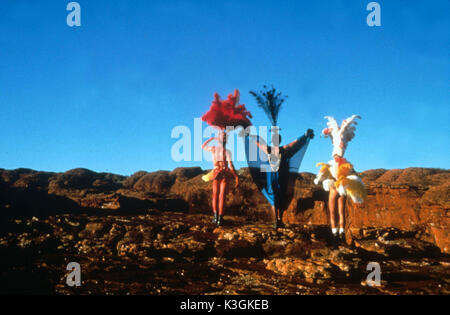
[{"x": 270, "y": 101}]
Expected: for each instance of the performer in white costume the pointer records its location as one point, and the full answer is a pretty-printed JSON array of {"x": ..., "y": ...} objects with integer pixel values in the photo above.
[{"x": 338, "y": 175}]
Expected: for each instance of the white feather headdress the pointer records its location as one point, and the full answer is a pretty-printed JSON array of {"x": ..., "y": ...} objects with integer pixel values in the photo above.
[{"x": 340, "y": 136}]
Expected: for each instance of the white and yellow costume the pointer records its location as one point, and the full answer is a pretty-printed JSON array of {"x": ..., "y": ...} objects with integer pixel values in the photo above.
[{"x": 339, "y": 172}]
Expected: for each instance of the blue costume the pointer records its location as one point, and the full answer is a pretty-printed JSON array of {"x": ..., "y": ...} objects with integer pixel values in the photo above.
[{"x": 273, "y": 174}]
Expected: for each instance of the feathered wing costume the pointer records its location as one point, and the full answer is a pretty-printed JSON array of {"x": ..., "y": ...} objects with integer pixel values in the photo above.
[
  {"x": 339, "y": 172},
  {"x": 274, "y": 176}
]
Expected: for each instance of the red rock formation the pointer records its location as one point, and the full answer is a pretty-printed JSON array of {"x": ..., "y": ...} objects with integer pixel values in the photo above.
[{"x": 413, "y": 199}]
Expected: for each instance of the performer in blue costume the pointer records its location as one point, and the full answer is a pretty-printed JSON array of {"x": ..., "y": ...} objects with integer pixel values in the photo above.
[{"x": 274, "y": 167}]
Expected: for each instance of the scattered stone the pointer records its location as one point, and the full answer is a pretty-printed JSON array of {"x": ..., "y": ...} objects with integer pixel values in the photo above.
[{"x": 185, "y": 254}]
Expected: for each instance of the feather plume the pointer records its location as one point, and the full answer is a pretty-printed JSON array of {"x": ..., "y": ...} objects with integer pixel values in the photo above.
[
  {"x": 270, "y": 101},
  {"x": 227, "y": 113}
]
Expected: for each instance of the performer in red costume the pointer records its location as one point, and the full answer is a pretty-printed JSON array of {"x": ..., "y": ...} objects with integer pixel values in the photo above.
[
  {"x": 222, "y": 115},
  {"x": 221, "y": 175}
]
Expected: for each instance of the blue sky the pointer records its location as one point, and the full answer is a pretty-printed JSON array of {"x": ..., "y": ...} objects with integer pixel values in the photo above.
[{"x": 106, "y": 95}]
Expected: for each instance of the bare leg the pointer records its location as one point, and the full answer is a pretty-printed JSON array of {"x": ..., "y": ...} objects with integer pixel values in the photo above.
[
  {"x": 341, "y": 202},
  {"x": 332, "y": 206},
  {"x": 274, "y": 213},
  {"x": 277, "y": 217},
  {"x": 222, "y": 195},
  {"x": 215, "y": 195}
]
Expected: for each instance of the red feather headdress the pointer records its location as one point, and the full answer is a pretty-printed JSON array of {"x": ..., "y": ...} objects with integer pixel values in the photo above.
[{"x": 227, "y": 113}]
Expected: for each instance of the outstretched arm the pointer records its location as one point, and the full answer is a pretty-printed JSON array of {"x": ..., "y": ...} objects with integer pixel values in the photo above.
[
  {"x": 205, "y": 145},
  {"x": 296, "y": 145},
  {"x": 263, "y": 146}
]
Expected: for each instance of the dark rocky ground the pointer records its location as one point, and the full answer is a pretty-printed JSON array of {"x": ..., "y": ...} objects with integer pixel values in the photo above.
[
  {"x": 175, "y": 253},
  {"x": 103, "y": 222}
]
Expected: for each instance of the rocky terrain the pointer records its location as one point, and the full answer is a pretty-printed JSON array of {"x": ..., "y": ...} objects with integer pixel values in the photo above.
[{"x": 150, "y": 233}]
